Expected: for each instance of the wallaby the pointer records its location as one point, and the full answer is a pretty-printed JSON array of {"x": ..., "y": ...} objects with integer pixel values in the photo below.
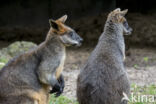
[
  {"x": 103, "y": 79},
  {"x": 27, "y": 78}
]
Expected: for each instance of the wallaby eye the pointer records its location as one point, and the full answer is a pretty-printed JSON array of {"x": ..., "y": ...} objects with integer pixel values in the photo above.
[
  {"x": 124, "y": 22},
  {"x": 70, "y": 34}
]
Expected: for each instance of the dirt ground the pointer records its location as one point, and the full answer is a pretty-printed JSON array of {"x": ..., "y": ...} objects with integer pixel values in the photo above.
[{"x": 140, "y": 64}]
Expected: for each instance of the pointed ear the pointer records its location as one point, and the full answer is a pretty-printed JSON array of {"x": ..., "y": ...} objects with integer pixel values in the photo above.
[
  {"x": 63, "y": 18},
  {"x": 124, "y": 12},
  {"x": 117, "y": 10},
  {"x": 53, "y": 24}
]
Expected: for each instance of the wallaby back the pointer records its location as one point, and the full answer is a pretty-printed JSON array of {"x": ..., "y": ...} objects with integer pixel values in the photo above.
[{"x": 103, "y": 79}]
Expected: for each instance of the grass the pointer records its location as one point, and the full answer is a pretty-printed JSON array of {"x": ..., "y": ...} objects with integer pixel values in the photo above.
[
  {"x": 143, "y": 94},
  {"x": 146, "y": 59},
  {"x": 61, "y": 100},
  {"x": 135, "y": 66},
  {"x": 3, "y": 61},
  {"x": 136, "y": 90}
]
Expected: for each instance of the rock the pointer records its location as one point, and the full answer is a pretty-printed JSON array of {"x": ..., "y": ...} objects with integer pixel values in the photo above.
[{"x": 13, "y": 50}]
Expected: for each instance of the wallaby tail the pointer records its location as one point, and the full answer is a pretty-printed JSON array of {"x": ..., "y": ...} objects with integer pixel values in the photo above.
[{"x": 125, "y": 99}]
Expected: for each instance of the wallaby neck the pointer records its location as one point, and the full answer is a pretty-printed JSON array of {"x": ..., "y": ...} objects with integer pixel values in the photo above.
[
  {"x": 51, "y": 46},
  {"x": 113, "y": 32}
]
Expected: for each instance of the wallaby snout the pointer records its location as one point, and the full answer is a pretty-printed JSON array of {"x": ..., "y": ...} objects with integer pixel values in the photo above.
[
  {"x": 127, "y": 29},
  {"x": 72, "y": 38},
  {"x": 77, "y": 38}
]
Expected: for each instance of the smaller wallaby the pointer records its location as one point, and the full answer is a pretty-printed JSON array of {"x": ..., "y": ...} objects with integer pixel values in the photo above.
[
  {"x": 27, "y": 78},
  {"x": 104, "y": 80}
]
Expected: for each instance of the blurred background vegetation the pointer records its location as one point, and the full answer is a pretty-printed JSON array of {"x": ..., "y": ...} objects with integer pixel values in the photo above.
[{"x": 28, "y": 20}]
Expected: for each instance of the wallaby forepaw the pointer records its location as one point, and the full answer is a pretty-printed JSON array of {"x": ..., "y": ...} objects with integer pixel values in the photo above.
[
  {"x": 58, "y": 90},
  {"x": 59, "y": 87},
  {"x": 57, "y": 93}
]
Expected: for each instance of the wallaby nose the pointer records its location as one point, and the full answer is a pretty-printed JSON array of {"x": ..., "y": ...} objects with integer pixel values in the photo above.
[{"x": 81, "y": 40}]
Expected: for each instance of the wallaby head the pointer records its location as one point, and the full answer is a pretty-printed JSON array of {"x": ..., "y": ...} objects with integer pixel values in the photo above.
[
  {"x": 66, "y": 34},
  {"x": 118, "y": 16}
]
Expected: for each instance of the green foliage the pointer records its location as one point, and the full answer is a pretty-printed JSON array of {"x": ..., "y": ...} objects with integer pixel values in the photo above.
[
  {"x": 3, "y": 61},
  {"x": 143, "y": 90},
  {"x": 146, "y": 59},
  {"x": 135, "y": 66},
  {"x": 1, "y": 66},
  {"x": 17, "y": 48},
  {"x": 136, "y": 90},
  {"x": 13, "y": 50},
  {"x": 61, "y": 100}
]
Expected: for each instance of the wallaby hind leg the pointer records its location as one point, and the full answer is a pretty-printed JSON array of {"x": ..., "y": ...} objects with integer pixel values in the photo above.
[{"x": 27, "y": 100}]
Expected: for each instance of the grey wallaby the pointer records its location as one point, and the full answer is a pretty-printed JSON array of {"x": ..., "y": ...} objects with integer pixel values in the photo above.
[
  {"x": 103, "y": 79},
  {"x": 27, "y": 79}
]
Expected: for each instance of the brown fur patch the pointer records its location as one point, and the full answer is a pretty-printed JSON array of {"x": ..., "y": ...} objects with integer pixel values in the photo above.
[
  {"x": 62, "y": 28},
  {"x": 122, "y": 19},
  {"x": 116, "y": 17},
  {"x": 39, "y": 97}
]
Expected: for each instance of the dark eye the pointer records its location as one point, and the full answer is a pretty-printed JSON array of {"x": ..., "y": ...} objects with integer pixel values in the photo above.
[
  {"x": 124, "y": 22},
  {"x": 70, "y": 34}
]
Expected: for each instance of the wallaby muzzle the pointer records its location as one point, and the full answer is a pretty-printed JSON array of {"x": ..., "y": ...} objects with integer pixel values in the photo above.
[
  {"x": 127, "y": 30},
  {"x": 77, "y": 38},
  {"x": 72, "y": 38}
]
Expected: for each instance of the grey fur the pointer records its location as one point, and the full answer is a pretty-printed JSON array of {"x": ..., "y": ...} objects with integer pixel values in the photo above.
[{"x": 103, "y": 78}]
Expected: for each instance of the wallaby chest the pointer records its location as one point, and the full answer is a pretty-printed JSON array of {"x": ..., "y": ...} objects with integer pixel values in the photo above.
[{"x": 61, "y": 65}]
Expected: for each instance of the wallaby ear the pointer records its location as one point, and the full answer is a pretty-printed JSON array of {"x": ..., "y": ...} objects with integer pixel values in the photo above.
[
  {"x": 117, "y": 10},
  {"x": 53, "y": 24},
  {"x": 63, "y": 18},
  {"x": 124, "y": 12}
]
